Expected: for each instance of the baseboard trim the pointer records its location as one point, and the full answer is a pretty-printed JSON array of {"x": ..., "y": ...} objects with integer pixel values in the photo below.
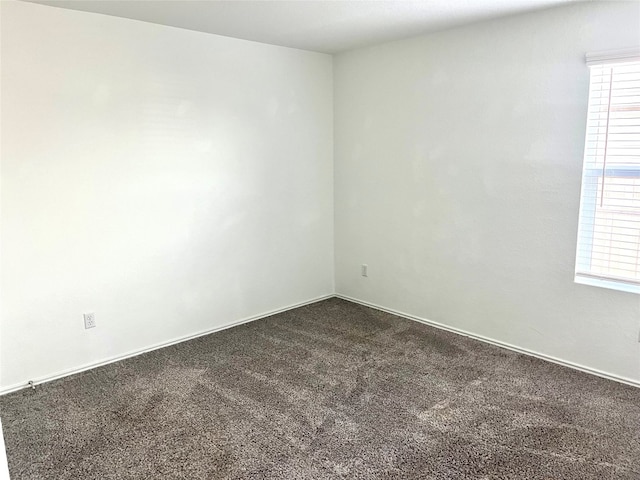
[
  {"x": 117, "y": 358},
  {"x": 542, "y": 356},
  {"x": 497, "y": 343}
]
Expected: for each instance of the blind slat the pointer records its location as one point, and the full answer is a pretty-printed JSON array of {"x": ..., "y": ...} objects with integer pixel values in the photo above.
[{"x": 609, "y": 230}]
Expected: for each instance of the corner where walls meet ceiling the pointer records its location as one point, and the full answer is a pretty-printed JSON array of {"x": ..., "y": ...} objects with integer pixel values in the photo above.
[{"x": 321, "y": 26}]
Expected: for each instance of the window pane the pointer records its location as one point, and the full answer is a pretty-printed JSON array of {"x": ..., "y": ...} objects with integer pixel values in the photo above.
[{"x": 609, "y": 231}]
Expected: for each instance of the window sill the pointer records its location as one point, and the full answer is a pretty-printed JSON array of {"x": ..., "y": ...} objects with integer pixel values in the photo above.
[{"x": 610, "y": 284}]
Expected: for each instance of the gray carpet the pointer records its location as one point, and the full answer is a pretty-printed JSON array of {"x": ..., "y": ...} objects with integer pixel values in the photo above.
[{"x": 330, "y": 390}]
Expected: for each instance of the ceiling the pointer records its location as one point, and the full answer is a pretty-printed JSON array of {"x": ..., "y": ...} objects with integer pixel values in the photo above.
[{"x": 328, "y": 26}]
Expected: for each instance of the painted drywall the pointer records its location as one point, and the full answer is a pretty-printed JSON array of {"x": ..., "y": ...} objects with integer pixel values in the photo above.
[
  {"x": 170, "y": 181},
  {"x": 457, "y": 180}
]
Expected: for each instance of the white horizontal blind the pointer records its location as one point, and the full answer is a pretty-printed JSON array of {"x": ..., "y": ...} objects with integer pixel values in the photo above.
[{"x": 609, "y": 232}]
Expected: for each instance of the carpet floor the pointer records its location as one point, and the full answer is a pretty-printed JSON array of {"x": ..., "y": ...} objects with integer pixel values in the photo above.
[{"x": 329, "y": 390}]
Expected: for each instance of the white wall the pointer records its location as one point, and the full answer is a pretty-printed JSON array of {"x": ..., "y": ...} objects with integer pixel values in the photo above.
[
  {"x": 169, "y": 181},
  {"x": 458, "y": 166},
  {"x": 173, "y": 182}
]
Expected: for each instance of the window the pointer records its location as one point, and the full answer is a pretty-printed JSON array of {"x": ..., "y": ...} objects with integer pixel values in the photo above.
[{"x": 608, "y": 252}]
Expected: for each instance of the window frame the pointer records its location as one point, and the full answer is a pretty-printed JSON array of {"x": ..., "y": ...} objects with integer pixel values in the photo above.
[{"x": 591, "y": 176}]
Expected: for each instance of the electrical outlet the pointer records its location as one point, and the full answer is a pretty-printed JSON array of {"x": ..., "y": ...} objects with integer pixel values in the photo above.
[
  {"x": 89, "y": 320},
  {"x": 363, "y": 270}
]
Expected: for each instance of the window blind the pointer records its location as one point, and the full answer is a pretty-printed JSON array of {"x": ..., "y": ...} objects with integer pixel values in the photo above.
[{"x": 609, "y": 223}]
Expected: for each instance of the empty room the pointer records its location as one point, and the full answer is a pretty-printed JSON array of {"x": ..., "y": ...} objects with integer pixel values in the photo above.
[{"x": 320, "y": 239}]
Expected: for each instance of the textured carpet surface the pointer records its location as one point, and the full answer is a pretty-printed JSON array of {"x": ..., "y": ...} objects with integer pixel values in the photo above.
[{"x": 330, "y": 390}]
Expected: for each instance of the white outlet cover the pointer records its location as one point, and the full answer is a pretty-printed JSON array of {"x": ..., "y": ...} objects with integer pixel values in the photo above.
[{"x": 89, "y": 320}]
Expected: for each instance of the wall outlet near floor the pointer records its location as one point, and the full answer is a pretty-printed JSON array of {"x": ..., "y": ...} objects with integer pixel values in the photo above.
[
  {"x": 89, "y": 320},
  {"x": 363, "y": 270}
]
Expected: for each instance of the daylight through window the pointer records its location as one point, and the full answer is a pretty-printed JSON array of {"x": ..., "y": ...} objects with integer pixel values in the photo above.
[{"x": 608, "y": 251}]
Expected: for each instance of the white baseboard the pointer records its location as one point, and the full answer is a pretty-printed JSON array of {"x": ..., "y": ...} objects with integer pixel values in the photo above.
[
  {"x": 72, "y": 371},
  {"x": 542, "y": 356},
  {"x": 117, "y": 358}
]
